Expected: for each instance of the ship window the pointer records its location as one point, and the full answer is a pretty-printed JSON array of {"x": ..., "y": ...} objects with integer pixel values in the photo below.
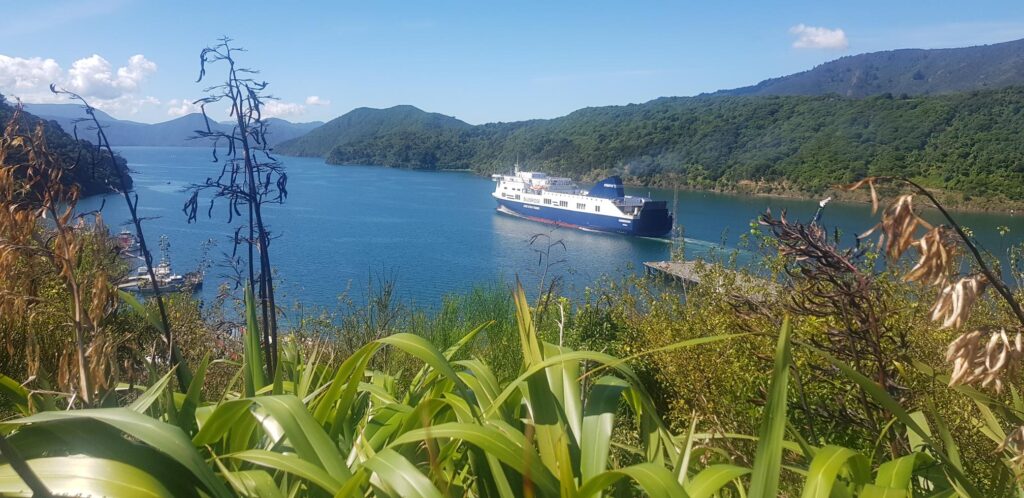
[
  {"x": 597, "y": 209},
  {"x": 517, "y": 197},
  {"x": 563, "y": 203},
  {"x": 580, "y": 205},
  {"x": 547, "y": 201}
]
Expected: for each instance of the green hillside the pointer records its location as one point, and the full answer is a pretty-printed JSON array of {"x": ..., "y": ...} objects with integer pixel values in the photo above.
[
  {"x": 93, "y": 176},
  {"x": 363, "y": 124},
  {"x": 909, "y": 71},
  {"x": 968, "y": 143}
]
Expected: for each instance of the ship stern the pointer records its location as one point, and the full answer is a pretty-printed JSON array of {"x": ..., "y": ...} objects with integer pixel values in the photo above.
[{"x": 654, "y": 220}]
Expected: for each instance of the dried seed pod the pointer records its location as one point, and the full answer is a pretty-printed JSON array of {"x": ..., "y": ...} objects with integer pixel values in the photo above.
[
  {"x": 984, "y": 361},
  {"x": 955, "y": 300},
  {"x": 870, "y": 182},
  {"x": 937, "y": 261},
  {"x": 899, "y": 222}
]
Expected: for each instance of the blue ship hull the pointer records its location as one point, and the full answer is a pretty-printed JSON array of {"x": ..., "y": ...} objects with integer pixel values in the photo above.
[{"x": 652, "y": 222}]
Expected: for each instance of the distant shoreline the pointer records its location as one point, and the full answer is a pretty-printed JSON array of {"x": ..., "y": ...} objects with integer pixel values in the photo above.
[
  {"x": 1009, "y": 208},
  {"x": 952, "y": 201}
]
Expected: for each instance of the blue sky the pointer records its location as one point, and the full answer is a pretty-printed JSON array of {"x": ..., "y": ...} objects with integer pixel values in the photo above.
[{"x": 479, "y": 61}]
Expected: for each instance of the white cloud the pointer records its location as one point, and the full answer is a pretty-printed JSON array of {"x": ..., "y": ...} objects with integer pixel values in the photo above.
[
  {"x": 278, "y": 109},
  {"x": 316, "y": 100},
  {"x": 125, "y": 104},
  {"x": 19, "y": 74},
  {"x": 95, "y": 78},
  {"x": 818, "y": 37},
  {"x": 181, "y": 107}
]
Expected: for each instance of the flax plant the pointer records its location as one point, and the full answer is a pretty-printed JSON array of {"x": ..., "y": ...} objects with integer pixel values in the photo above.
[
  {"x": 249, "y": 178},
  {"x": 319, "y": 429}
]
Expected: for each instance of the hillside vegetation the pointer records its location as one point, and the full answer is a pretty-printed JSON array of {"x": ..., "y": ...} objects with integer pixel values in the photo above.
[
  {"x": 365, "y": 123},
  {"x": 910, "y": 71},
  {"x": 92, "y": 171},
  {"x": 967, "y": 143}
]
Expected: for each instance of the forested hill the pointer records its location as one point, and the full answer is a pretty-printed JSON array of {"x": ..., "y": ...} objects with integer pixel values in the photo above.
[
  {"x": 971, "y": 143},
  {"x": 365, "y": 123},
  {"x": 93, "y": 176},
  {"x": 909, "y": 71}
]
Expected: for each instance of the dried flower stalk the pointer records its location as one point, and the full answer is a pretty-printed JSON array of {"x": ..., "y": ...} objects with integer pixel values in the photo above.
[{"x": 31, "y": 179}]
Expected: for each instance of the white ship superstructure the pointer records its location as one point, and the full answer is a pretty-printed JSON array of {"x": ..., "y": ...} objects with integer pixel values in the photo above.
[{"x": 557, "y": 200}]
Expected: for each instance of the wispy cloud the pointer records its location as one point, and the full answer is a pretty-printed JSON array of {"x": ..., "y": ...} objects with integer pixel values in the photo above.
[
  {"x": 181, "y": 107},
  {"x": 818, "y": 37},
  {"x": 316, "y": 100},
  {"x": 279, "y": 109}
]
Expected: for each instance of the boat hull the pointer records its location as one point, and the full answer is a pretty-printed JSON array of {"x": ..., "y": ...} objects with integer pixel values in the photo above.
[{"x": 650, "y": 223}]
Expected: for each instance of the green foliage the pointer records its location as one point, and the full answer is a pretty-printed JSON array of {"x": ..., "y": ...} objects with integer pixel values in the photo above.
[
  {"x": 767, "y": 469},
  {"x": 452, "y": 431},
  {"x": 964, "y": 143},
  {"x": 93, "y": 170},
  {"x": 902, "y": 72}
]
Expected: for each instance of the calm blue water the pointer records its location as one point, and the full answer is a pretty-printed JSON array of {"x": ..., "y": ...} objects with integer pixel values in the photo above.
[{"x": 435, "y": 233}]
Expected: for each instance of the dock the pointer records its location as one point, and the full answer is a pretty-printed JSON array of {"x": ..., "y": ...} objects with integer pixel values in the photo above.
[{"x": 691, "y": 273}]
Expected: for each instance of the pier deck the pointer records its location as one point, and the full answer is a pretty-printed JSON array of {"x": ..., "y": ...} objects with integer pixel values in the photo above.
[{"x": 690, "y": 273}]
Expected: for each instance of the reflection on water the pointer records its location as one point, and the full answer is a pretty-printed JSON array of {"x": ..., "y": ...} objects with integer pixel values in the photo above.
[{"x": 435, "y": 232}]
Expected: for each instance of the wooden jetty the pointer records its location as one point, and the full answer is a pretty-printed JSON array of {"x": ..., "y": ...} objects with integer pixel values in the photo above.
[{"x": 690, "y": 273}]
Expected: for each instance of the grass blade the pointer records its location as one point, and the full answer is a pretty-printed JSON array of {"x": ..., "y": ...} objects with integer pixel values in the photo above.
[
  {"x": 82, "y": 475},
  {"x": 164, "y": 438},
  {"x": 764, "y": 479},
  {"x": 655, "y": 481},
  {"x": 710, "y": 481},
  {"x": 598, "y": 423},
  {"x": 254, "y": 375},
  {"x": 826, "y": 465},
  {"x": 16, "y": 393},
  {"x": 292, "y": 464},
  {"x": 514, "y": 453},
  {"x": 402, "y": 477}
]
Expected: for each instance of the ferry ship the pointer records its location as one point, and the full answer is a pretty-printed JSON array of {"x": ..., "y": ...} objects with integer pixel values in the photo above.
[{"x": 558, "y": 201}]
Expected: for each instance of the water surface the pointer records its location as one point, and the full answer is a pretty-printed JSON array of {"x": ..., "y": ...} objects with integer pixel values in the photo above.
[{"x": 435, "y": 233}]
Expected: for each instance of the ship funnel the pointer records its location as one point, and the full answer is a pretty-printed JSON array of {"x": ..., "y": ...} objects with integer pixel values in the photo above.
[{"x": 609, "y": 188}]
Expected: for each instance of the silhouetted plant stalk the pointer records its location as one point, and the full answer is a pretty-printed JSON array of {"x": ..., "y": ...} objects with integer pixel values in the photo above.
[
  {"x": 542, "y": 244},
  {"x": 249, "y": 177},
  {"x": 831, "y": 282},
  {"x": 102, "y": 145}
]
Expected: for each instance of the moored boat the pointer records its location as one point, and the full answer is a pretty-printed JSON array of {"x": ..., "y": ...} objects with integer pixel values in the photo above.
[{"x": 166, "y": 279}]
